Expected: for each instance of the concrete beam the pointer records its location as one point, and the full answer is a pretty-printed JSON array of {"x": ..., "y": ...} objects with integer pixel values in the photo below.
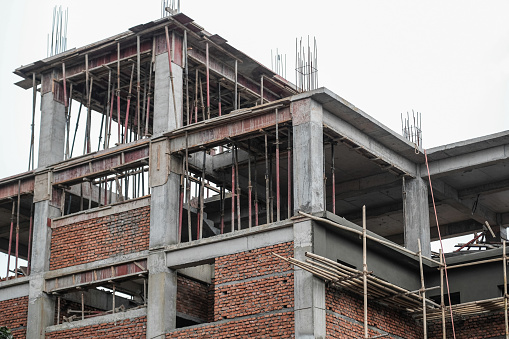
[
  {"x": 202, "y": 251},
  {"x": 449, "y": 195},
  {"x": 366, "y": 185},
  {"x": 489, "y": 188},
  {"x": 365, "y": 141},
  {"x": 14, "y": 291},
  {"x": 453, "y": 164}
]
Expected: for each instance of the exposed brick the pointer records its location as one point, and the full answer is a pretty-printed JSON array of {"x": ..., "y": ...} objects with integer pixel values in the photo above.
[
  {"x": 129, "y": 328},
  {"x": 13, "y": 315},
  {"x": 345, "y": 317},
  {"x": 100, "y": 238},
  {"x": 194, "y": 299},
  {"x": 490, "y": 325}
]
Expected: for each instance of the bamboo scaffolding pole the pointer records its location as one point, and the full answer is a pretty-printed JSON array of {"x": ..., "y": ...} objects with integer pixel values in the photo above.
[
  {"x": 442, "y": 303},
  {"x": 370, "y": 237},
  {"x": 364, "y": 271},
  {"x": 10, "y": 240},
  {"x": 423, "y": 292},
  {"x": 475, "y": 263},
  {"x": 505, "y": 290},
  {"x": 126, "y": 123}
]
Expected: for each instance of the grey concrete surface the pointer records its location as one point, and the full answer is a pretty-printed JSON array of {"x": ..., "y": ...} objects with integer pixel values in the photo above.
[{"x": 52, "y": 133}]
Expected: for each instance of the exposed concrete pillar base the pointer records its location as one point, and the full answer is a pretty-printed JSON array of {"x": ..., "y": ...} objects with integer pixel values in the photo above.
[
  {"x": 41, "y": 308},
  {"x": 162, "y": 297},
  {"x": 309, "y": 291}
]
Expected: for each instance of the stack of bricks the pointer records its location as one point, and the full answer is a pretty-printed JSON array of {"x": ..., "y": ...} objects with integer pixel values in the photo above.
[
  {"x": 13, "y": 315},
  {"x": 129, "y": 328},
  {"x": 345, "y": 318},
  {"x": 253, "y": 297},
  {"x": 100, "y": 238}
]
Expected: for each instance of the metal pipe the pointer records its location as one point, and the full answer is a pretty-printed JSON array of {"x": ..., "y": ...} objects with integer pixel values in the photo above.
[
  {"x": 17, "y": 230},
  {"x": 208, "y": 79},
  {"x": 128, "y": 105},
  {"x": 267, "y": 192},
  {"x": 261, "y": 90},
  {"x": 138, "y": 88},
  {"x": 442, "y": 303},
  {"x": 239, "y": 226},
  {"x": 66, "y": 112},
  {"x": 196, "y": 96},
  {"x": 83, "y": 306},
  {"x": 147, "y": 117},
  {"x": 236, "y": 84},
  {"x": 278, "y": 195},
  {"x": 10, "y": 240},
  {"x": 219, "y": 96},
  {"x": 34, "y": 100},
  {"x": 256, "y": 191},
  {"x": 233, "y": 190},
  {"x": 289, "y": 154},
  {"x": 181, "y": 203},
  {"x": 186, "y": 68},
  {"x": 202, "y": 198},
  {"x": 29, "y": 259},
  {"x": 188, "y": 194},
  {"x": 222, "y": 193},
  {"x": 250, "y": 187},
  {"x": 111, "y": 115},
  {"x": 89, "y": 113},
  {"x": 119, "y": 123}
]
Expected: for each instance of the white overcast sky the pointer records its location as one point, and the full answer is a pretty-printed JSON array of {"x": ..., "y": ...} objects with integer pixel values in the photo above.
[{"x": 448, "y": 60}]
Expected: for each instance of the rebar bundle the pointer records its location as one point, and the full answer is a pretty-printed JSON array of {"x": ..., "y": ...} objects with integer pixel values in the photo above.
[
  {"x": 306, "y": 66},
  {"x": 412, "y": 131},
  {"x": 58, "y": 32}
]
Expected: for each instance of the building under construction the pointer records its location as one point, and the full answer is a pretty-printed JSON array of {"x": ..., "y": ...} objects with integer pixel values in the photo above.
[{"x": 215, "y": 199}]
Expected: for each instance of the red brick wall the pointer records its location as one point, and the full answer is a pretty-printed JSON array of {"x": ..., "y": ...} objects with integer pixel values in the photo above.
[
  {"x": 246, "y": 284},
  {"x": 279, "y": 325},
  {"x": 128, "y": 328},
  {"x": 475, "y": 327},
  {"x": 13, "y": 315},
  {"x": 100, "y": 238},
  {"x": 194, "y": 298},
  {"x": 345, "y": 318}
]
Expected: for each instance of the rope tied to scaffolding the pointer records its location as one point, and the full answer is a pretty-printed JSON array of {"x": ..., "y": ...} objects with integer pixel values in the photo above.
[{"x": 441, "y": 245}]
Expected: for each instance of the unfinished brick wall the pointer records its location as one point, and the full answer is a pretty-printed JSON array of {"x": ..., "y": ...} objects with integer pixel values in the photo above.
[
  {"x": 490, "y": 325},
  {"x": 279, "y": 325},
  {"x": 100, "y": 238},
  {"x": 128, "y": 328},
  {"x": 345, "y": 318},
  {"x": 253, "y": 282},
  {"x": 194, "y": 298},
  {"x": 253, "y": 297},
  {"x": 13, "y": 315}
]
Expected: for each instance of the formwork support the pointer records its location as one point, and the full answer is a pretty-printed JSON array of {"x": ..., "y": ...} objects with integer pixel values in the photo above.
[
  {"x": 423, "y": 292},
  {"x": 364, "y": 272}
]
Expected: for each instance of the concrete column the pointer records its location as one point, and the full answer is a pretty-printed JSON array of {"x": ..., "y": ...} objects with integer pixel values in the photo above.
[
  {"x": 165, "y": 117},
  {"x": 308, "y": 156},
  {"x": 415, "y": 200},
  {"x": 52, "y": 134},
  {"x": 162, "y": 296},
  {"x": 41, "y": 307},
  {"x": 309, "y": 291},
  {"x": 164, "y": 206}
]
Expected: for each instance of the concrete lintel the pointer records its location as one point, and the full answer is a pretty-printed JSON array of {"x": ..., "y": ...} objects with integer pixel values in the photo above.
[
  {"x": 14, "y": 290},
  {"x": 463, "y": 162},
  {"x": 366, "y": 141},
  {"x": 116, "y": 260},
  {"x": 109, "y": 318},
  {"x": 188, "y": 254}
]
